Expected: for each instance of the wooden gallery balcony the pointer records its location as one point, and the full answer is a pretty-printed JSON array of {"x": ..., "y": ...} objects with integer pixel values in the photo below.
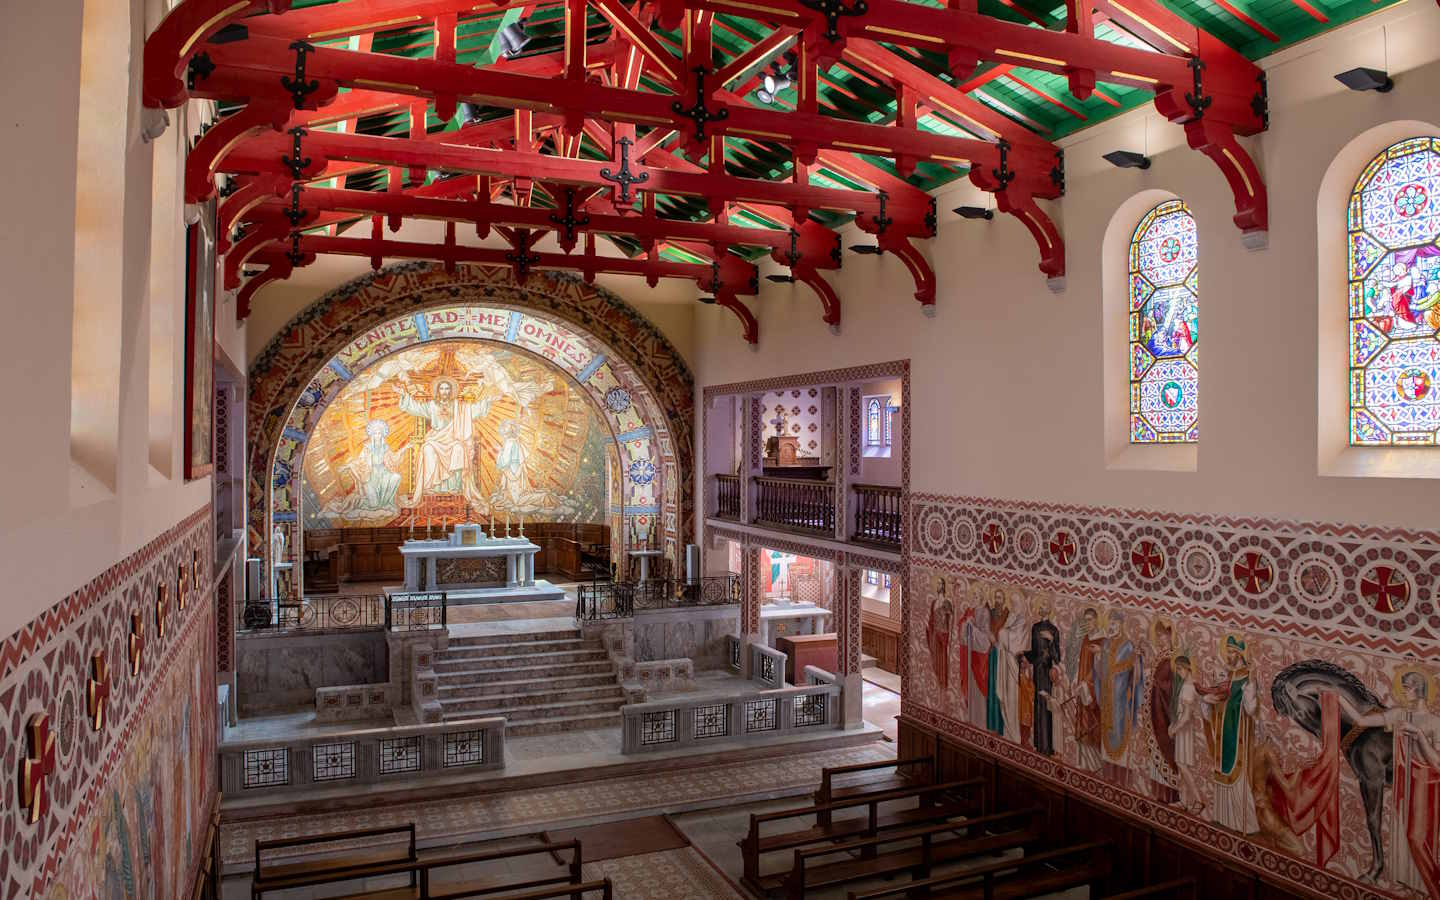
[
  {"x": 877, "y": 515},
  {"x": 727, "y": 497},
  {"x": 799, "y": 504}
]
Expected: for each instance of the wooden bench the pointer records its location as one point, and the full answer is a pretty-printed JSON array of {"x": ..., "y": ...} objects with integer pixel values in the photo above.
[
  {"x": 207, "y": 877},
  {"x": 266, "y": 874},
  {"x": 1179, "y": 889},
  {"x": 425, "y": 885},
  {"x": 1017, "y": 878},
  {"x": 829, "y": 793},
  {"x": 938, "y": 802},
  {"x": 992, "y": 833}
]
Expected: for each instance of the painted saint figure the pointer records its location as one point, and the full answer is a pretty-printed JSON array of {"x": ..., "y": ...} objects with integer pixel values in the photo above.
[
  {"x": 974, "y": 628},
  {"x": 1415, "y": 849},
  {"x": 1164, "y": 697},
  {"x": 448, "y": 447},
  {"x": 1230, "y": 730},
  {"x": 1011, "y": 641},
  {"x": 1089, "y": 664},
  {"x": 374, "y": 470},
  {"x": 1119, "y": 685},
  {"x": 1185, "y": 716},
  {"x": 1043, "y": 658},
  {"x": 937, "y": 635}
]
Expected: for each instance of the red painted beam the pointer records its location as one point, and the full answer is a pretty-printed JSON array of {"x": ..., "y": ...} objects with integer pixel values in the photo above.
[
  {"x": 180, "y": 35},
  {"x": 262, "y": 154},
  {"x": 429, "y": 78}
]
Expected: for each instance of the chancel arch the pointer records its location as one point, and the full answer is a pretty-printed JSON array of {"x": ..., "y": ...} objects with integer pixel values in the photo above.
[{"x": 507, "y": 357}]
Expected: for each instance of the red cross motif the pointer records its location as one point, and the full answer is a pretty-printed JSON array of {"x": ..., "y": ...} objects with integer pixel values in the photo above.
[
  {"x": 1147, "y": 558},
  {"x": 1253, "y": 572},
  {"x": 97, "y": 691},
  {"x": 1062, "y": 548},
  {"x": 181, "y": 583},
  {"x": 1387, "y": 590},
  {"x": 137, "y": 643},
  {"x": 36, "y": 767},
  {"x": 160, "y": 611},
  {"x": 993, "y": 537}
]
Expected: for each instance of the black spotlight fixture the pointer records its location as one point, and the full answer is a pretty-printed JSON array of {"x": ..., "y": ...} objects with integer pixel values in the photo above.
[
  {"x": 708, "y": 301},
  {"x": 870, "y": 249},
  {"x": 1363, "y": 79},
  {"x": 781, "y": 279},
  {"x": 974, "y": 212},
  {"x": 513, "y": 39},
  {"x": 230, "y": 34},
  {"x": 1127, "y": 159}
]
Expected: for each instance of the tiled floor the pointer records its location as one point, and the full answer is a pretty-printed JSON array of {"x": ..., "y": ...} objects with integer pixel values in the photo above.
[{"x": 881, "y": 708}]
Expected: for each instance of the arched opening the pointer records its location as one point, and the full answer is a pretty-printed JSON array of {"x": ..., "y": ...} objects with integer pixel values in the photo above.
[{"x": 302, "y": 375}]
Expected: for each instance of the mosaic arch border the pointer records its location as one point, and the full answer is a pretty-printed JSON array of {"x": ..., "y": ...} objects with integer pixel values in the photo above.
[{"x": 629, "y": 351}]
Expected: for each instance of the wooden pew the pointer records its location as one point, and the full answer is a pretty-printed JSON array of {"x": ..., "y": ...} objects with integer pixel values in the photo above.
[
  {"x": 425, "y": 885},
  {"x": 575, "y": 891},
  {"x": 1017, "y": 878},
  {"x": 268, "y": 874},
  {"x": 992, "y": 833},
  {"x": 829, "y": 793},
  {"x": 938, "y": 802},
  {"x": 207, "y": 877},
  {"x": 1179, "y": 889}
]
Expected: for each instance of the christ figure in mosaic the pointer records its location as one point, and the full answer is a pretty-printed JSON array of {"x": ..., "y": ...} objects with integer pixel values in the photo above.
[{"x": 449, "y": 442}]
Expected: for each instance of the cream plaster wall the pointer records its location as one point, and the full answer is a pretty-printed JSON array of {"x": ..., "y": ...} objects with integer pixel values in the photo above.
[
  {"x": 1008, "y": 395},
  {"x": 667, "y": 305},
  {"x": 60, "y": 527}
]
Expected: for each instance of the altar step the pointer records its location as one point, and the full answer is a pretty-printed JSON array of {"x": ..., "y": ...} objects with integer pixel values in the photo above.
[{"x": 541, "y": 682}]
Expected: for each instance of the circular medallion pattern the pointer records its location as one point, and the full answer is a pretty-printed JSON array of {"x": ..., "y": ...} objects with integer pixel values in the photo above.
[
  {"x": 1105, "y": 553},
  {"x": 1253, "y": 571},
  {"x": 1386, "y": 588},
  {"x": 1315, "y": 579},
  {"x": 617, "y": 400},
  {"x": 1411, "y": 199},
  {"x": 1028, "y": 543},
  {"x": 642, "y": 471},
  {"x": 1147, "y": 559},
  {"x": 993, "y": 537},
  {"x": 68, "y": 722},
  {"x": 1199, "y": 565},
  {"x": 1063, "y": 548},
  {"x": 932, "y": 530},
  {"x": 963, "y": 532}
]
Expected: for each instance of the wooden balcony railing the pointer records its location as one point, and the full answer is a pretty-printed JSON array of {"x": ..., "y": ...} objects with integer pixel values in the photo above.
[
  {"x": 877, "y": 514},
  {"x": 727, "y": 497},
  {"x": 795, "y": 503}
]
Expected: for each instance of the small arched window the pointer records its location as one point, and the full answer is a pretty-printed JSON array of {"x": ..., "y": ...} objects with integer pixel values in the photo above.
[
  {"x": 873, "y": 416},
  {"x": 1164, "y": 327},
  {"x": 1394, "y": 298}
]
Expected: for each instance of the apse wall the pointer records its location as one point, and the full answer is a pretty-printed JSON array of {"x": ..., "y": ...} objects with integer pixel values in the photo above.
[
  {"x": 93, "y": 259},
  {"x": 1027, "y": 512}
]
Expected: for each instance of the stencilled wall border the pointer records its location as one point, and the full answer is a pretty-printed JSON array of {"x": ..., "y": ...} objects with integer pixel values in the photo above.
[{"x": 45, "y": 667}]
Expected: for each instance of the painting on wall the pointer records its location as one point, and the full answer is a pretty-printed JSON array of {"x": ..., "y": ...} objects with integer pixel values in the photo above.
[
  {"x": 457, "y": 430},
  {"x": 200, "y": 343},
  {"x": 1325, "y": 753}
]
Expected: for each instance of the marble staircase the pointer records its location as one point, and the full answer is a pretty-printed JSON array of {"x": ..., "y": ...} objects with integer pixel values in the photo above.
[{"x": 541, "y": 682}]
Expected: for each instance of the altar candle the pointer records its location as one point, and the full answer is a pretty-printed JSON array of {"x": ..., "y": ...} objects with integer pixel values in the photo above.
[
  {"x": 522, "y": 524},
  {"x": 507, "y": 523}
]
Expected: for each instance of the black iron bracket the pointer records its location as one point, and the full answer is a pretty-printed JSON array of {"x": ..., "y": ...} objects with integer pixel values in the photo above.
[
  {"x": 296, "y": 163},
  {"x": 794, "y": 248},
  {"x": 1003, "y": 174},
  {"x": 199, "y": 68},
  {"x": 832, "y": 10},
  {"x": 699, "y": 113},
  {"x": 881, "y": 220},
  {"x": 624, "y": 178},
  {"x": 294, "y": 254},
  {"x": 293, "y": 212},
  {"x": 1057, "y": 174},
  {"x": 298, "y": 87},
  {"x": 572, "y": 219},
  {"x": 1198, "y": 101},
  {"x": 1260, "y": 103}
]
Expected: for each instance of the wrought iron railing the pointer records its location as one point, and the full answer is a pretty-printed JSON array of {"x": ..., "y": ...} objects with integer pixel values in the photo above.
[
  {"x": 795, "y": 503},
  {"x": 877, "y": 514},
  {"x": 415, "y": 612},
  {"x": 622, "y": 599},
  {"x": 727, "y": 497},
  {"x": 340, "y": 612}
]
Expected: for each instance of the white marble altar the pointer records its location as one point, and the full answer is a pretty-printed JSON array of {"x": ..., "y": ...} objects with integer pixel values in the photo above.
[
  {"x": 785, "y": 618},
  {"x": 457, "y": 565}
]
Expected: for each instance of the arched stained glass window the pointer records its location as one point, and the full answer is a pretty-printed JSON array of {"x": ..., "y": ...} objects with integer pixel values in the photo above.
[
  {"x": 1164, "y": 327},
  {"x": 872, "y": 422},
  {"x": 1393, "y": 222}
]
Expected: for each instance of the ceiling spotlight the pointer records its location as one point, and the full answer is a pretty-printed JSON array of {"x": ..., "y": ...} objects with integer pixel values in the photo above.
[
  {"x": 775, "y": 81},
  {"x": 230, "y": 34},
  {"x": 469, "y": 112},
  {"x": 764, "y": 96},
  {"x": 974, "y": 212},
  {"x": 781, "y": 279},
  {"x": 871, "y": 249},
  {"x": 1363, "y": 79},
  {"x": 513, "y": 39},
  {"x": 1127, "y": 159},
  {"x": 708, "y": 301}
]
